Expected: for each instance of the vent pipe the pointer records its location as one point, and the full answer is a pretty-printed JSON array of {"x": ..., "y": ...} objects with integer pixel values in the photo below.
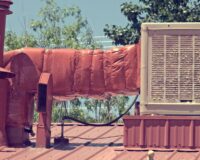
[{"x": 4, "y": 10}]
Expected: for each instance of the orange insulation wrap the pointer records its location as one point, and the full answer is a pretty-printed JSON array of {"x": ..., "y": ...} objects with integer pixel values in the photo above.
[
  {"x": 131, "y": 68},
  {"x": 35, "y": 54},
  {"x": 24, "y": 84},
  {"x": 114, "y": 71},
  {"x": 83, "y": 72},
  {"x": 107, "y": 68},
  {"x": 20, "y": 114},
  {"x": 4, "y": 94},
  {"x": 27, "y": 74},
  {"x": 61, "y": 64},
  {"x": 7, "y": 57},
  {"x": 17, "y": 113},
  {"x": 97, "y": 73},
  {"x": 80, "y": 72},
  {"x": 16, "y": 135}
]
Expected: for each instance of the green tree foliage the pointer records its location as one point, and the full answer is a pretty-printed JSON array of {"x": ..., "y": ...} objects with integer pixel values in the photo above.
[
  {"x": 151, "y": 11},
  {"x": 95, "y": 107},
  {"x": 107, "y": 109},
  {"x": 56, "y": 27},
  {"x": 14, "y": 41},
  {"x": 76, "y": 109},
  {"x": 114, "y": 106},
  {"x": 62, "y": 27}
]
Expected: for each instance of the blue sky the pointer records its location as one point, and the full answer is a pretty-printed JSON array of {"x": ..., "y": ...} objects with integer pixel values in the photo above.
[{"x": 97, "y": 12}]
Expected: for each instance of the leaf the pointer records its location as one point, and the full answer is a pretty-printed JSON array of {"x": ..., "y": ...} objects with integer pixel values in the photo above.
[{"x": 151, "y": 11}]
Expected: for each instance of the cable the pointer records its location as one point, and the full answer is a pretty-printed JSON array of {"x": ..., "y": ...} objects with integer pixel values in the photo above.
[{"x": 105, "y": 124}]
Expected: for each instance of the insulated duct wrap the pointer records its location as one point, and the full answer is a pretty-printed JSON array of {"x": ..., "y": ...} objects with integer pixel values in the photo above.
[
  {"x": 87, "y": 73},
  {"x": 23, "y": 86}
]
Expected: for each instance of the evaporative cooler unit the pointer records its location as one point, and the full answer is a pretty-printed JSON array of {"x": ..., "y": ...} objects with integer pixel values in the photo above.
[{"x": 170, "y": 69}]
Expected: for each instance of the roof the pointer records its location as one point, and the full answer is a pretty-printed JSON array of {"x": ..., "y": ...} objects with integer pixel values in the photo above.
[{"x": 91, "y": 143}]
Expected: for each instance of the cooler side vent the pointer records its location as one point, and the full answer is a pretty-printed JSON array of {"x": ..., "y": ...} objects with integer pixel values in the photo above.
[{"x": 174, "y": 69}]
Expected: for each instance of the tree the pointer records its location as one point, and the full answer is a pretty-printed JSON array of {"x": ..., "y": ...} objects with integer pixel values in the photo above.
[
  {"x": 62, "y": 27},
  {"x": 151, "y": 11},
  {"x": 76, "y": 109},
  {"x": 56, "y": 27},
  {"x": 114, "y": 106},
  {"x": 94, "y": 106},
  {"x": 121, "y": 102},
  {"x": 105, "y": 110},
  {"x": 14, "y": 41}
]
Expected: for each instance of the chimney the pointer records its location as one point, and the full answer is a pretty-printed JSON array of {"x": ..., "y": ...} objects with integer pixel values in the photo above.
[{"x": 4, "y": 10}]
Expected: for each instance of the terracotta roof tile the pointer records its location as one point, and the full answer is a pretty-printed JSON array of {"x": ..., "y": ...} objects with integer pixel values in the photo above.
[{"x": 91, "y": 143}]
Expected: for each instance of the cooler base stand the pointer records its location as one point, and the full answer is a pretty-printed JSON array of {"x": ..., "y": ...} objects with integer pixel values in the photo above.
[{"x": 162, "y": 132}]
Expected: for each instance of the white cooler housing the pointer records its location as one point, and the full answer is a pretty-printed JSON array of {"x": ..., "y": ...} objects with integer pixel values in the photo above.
[{"x": 170, "y": 68}]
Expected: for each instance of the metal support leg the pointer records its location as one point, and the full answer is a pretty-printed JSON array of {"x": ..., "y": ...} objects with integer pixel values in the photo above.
[{"x": 61, "y": 139}]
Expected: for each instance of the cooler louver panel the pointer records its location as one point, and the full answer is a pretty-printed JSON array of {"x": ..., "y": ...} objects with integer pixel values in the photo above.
[
  {"x": 197, "y": 68},
  {"x": 171, "y": 68},
  {"x": 174, "y": 69},
  {"x": 186, "y": 68},
  {"x": 157, "y": 81}
]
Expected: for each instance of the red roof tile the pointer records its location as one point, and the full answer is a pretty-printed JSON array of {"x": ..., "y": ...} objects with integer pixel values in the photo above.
[{"x": 91, "y": 143}]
